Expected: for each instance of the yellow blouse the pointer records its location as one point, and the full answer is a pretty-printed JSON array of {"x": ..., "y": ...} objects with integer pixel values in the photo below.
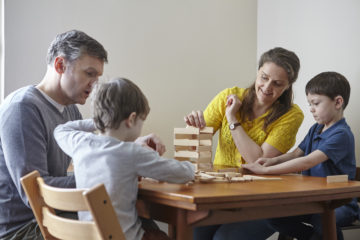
[{"x": 281, "y": 134}]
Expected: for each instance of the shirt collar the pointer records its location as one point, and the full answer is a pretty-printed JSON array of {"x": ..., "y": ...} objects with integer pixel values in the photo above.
[
  {"x": 328, "y": 131},
  {"x": 57, "y": 105}
]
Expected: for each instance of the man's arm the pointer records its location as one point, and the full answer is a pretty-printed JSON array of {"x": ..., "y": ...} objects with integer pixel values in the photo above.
[{"x": 24, "y": 145}]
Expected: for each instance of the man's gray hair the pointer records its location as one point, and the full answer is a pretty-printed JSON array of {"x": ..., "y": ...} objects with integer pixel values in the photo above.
[{"x": 74, "y": 44}]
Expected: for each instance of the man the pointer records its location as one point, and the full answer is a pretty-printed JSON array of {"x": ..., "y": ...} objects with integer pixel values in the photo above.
[{"x": 28, "y": 117}]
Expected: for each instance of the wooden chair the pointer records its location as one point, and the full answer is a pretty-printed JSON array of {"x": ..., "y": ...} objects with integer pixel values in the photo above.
[
  {"x": 44, "y": 200},
  {"x": 354, "y": 225}
]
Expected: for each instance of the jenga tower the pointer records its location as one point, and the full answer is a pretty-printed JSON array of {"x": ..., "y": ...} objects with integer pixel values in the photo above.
[{"x": 195, "y": 145}]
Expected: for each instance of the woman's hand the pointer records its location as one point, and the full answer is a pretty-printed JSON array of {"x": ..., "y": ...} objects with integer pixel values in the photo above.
[
  {"x": 152, "y": 141},
  {"x": 195, "y": 119},
  {"x": 255, "y": 167},
  {"x": 267, "y": 161},
  {"x": 233, "y": 105}
]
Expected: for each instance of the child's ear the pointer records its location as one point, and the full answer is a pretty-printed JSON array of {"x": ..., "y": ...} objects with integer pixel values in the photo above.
[
  {"x": 339, "y": 101},
  {"x": 130, "y": 121}
]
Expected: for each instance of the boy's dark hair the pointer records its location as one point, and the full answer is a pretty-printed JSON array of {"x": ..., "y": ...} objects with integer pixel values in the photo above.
[
  {"x": 74, "y": 44},
  {"x": 115, "y": 100},
  {"x": 290, "y": 62},
  {"x": 330, "y": 84}
]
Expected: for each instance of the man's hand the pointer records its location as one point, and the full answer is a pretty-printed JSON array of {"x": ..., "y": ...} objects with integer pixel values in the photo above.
[{"x": 152, "y": 141}]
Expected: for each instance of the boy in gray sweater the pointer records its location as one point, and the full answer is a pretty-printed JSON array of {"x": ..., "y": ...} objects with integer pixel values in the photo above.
[{"x": 113, "y": 158}]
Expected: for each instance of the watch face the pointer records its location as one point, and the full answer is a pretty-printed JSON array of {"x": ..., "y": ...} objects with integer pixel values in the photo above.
[{"x": 232, "y": 126}]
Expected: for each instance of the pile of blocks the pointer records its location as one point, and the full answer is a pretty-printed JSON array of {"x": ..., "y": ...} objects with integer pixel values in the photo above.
[
  {"x": 195, "y": 145},
  {"x": 228, "y": 177}
]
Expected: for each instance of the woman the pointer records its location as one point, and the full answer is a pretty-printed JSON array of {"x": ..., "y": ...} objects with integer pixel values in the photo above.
[{"x": 259, "y": 121}]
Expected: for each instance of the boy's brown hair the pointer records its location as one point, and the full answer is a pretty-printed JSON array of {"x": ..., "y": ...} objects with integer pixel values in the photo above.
[
  {"x": 330, "y": 84},
  {"x": 115, "y": 100}
]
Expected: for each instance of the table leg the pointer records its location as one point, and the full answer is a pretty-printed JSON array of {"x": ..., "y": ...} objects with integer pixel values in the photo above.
[
  {"x": 171, "y": 231},
  {"x": 183, "y": 230},
  {"x": 329, "y": 225}
]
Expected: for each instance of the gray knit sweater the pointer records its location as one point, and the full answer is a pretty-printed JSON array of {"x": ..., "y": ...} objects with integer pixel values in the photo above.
[
  {"x": 27, "y": 121},
  {"x": 117, "y": 164}
]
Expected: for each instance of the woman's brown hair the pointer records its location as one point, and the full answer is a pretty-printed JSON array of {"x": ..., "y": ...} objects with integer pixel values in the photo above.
[{"x": 291, "y": 64}]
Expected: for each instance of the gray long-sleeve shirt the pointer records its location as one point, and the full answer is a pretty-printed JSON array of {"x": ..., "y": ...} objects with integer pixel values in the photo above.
[
  {"x": 27, "y": 121},
  {"x": 117, "y": 164}
]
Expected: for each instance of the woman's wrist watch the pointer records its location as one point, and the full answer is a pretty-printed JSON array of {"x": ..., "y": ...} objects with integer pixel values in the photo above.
[{"x": 232, "y": 126}]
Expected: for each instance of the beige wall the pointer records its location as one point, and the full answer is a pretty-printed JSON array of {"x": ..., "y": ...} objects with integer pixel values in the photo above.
[
  {"x": 325, "y": 35},
  {"x": 181, "y": 53}
]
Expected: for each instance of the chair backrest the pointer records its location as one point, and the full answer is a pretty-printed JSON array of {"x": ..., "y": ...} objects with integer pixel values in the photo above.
[{"x": 44, "y": 200}]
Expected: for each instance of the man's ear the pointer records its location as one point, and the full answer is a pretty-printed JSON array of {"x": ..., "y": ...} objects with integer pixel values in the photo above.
[
  {"x": 59, "y": 64},
  {"x": 339, "y": 101},
  {"x": 130, "y": 121}
]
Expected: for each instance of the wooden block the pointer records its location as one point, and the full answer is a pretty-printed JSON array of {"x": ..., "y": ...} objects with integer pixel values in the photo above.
[
  {"x": 216, "y": 174},
  {"x": 204, "y": 166},
  {"x": 187, "y": 136},
  {"x": 207, "y": 130},
  {"x": 186, "y": 142},
  {"x": 205, "y": 136},
  {"x": 187, "y": 154},
  {"x": 258, "y": 178},
  {"x": 192, "y": 154},
  {"x": 204, "y": 160},
  {"x": 228, "y": 170},
  {"x": 337, "y": 178},
  {"x": 230, "y": 174},
  {"x": 205, "y": 142},
  {"x": 182, "y": 158},
  {"x": 203, "y": 148},
  {"x": 189, "y": 130},
  {"x": 204, "y": 155},
  {"x": 237, "y": 179},
  {"x": 185, "y": 148},
  {"x": 193, "y": 148}
]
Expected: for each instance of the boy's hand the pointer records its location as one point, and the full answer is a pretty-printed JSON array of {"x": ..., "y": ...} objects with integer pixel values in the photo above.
[
  {"x": 255, "y": 167},
  {"x": 152, "y": 141},
  {"x": 266, "y": 161}
]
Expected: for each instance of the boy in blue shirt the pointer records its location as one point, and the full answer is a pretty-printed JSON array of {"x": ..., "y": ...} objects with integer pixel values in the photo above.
[{"x": 327, "y": 149}]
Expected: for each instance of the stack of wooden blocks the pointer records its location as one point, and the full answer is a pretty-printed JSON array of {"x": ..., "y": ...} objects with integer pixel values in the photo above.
[{"x": 195, "y": 145}]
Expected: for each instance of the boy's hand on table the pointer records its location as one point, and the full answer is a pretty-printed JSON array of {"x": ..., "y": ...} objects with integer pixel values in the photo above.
[
  {"x": 266, "y": 161},
  {"x": 255, "y": 167},
  {"x": 152, "y": 141}
]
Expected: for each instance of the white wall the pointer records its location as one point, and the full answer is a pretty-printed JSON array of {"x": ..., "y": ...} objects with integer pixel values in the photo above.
[
  {"x": 326, "y": 35},
  {"x": 181, "y": 53}
]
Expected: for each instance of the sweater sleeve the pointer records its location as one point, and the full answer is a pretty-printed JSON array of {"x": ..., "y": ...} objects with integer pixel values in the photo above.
[
  {"x": 149, "y": 164},
  {"x": 69, "y": 135},
  {"x": 24, "y": 145},
  {"x": 215, "y": 111}
]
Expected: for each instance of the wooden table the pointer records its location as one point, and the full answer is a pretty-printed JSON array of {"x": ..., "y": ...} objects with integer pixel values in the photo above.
[{"x": 186, "y": 206}]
